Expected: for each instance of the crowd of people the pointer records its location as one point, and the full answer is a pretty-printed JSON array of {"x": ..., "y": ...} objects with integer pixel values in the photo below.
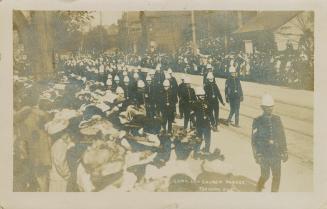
[
  {"x": 101, "y": 125},
  {"x": 290, "y": 68},
  {"x": 99, "y": 121}
]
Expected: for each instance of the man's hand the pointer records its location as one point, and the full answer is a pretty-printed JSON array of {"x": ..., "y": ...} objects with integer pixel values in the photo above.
[
  {"x": 242, "y": 99},
  {"x": 284, "y": 157},
  {"x": 227, "y": 100},
  {"x": 258, "y": 159}
]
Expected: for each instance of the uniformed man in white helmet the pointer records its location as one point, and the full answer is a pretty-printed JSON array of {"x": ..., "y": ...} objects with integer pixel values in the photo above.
[
  {"x": 187, "y": 99},
  {"x": 159, "y": 76},
  {"x": 140, "y": 93},
  {"x": 202, "y": 123},
  {"x": 208, "y": 69},
  {"x": 167, "y": 106},
  {"x": 213, "y": 96},
  {"x": 116, "y": 83},
  {"x": 150, "y": 98},
  {"x": 180, "y": 88},
  {"x": 174, "y": 87},
  {"x": 140, "y": 73},
  {"x": 151, "y": 74},
  {"x": 109, "y": 84},
  {"x": 127, "y": 88},
  {"x": 233, "y": 95},
  {"x": 269, "y": 144}
]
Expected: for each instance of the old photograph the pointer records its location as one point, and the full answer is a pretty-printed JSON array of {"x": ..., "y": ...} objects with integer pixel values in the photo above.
[{"x": 163, "y": 101}]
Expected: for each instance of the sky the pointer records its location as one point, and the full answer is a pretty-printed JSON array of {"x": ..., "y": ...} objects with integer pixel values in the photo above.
[{"x": 108, "y": 17}]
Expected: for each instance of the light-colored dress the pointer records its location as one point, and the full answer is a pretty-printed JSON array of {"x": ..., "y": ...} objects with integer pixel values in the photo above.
[{"x": 60, "y": 172}]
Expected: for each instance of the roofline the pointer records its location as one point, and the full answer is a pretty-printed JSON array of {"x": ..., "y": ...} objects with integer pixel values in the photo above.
[{"x": 271, "y": 29}]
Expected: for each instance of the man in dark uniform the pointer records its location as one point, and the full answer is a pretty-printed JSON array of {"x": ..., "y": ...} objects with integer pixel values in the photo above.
[
  {"x": 140, "y": 73},
  {"x": 233, "y": 95},
  {"x": 269, "y": 144},
  {"x": 167, "y": 103},
  {"x": 187, "y": 98},
  {"x": 213, "y": 95},
  {"x": 140, "y": 94},
  {"x": 181, "y": 105},
  {"x": 116, "y": 83},
  {"x": 202, "y": 122},
  {"x": 174, "y": 87},
  {"x": 133, "y": 85},
  {"x": 150, "y": 96},
  {"x": 159, "y": 77},
  {"x": 209, "y": 69},
  {"x": 127, "y": 89}
]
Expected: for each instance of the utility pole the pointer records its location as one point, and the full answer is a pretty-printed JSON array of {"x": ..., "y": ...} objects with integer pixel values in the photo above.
[
  {"x": 100, "y": 13},
  {"x": 226, "y": 26},
  {"x": 193, "y": 33},
  {"x": 101, "y": 32}
]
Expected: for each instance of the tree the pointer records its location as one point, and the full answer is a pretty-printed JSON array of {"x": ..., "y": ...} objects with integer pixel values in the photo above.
[
  {"x": 41, "y": 31},
  {"x": 97, "y": 39}
]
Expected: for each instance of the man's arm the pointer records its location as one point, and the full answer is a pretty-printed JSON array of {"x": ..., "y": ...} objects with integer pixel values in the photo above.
[
  {"x": 226, "y": 90},
  {"x": 254, "y": 142},
  {"x": 282, "y": 137},
  {"x": 241, "y": 91},
  {"x": 219, "y": 96}
]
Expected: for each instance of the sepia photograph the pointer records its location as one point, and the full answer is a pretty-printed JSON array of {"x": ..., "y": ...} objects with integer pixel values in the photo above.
[{"x": 163, "y": 101}]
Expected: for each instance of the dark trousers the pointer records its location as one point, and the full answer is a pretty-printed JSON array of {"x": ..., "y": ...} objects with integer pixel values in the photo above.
[
  {"x": 150, "y": 110},
  {"x": 203, "y": 133},
  {"x": 266, "y": 166},
  {"x": 158, "y": 109},
  {"x": 167, "y": 118},
  {"x": 214, "y": 113},
  {"x": 234, "y": 109},
  {"x": 187, "y": 113},
  {"x": 181, "y": 107}
]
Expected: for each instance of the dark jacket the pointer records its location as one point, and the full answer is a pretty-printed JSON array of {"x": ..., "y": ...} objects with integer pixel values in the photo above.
[
  {"x": 150, "y": 94},
  {"x": 187, "y": 95},
  {"x": 159, "y": 77},
  {"x": 202, "y": 114},
  {"x": 233, "y": 88},
  {"x": 213, "y": 93},
  {"x": 167, "y": 99},
  {"x": 268, "y": 137},
  {"x": 174, "y": 87}
]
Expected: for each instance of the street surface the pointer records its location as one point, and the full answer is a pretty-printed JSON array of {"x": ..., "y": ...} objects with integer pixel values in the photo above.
[{"x": 295, "y": 107}]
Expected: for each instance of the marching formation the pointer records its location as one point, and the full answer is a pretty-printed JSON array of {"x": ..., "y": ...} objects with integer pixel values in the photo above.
[{"x": 102, "y": 125}]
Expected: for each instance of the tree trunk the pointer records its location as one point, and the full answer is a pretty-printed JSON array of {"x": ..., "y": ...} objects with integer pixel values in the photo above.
[{"x": 37, "y": 39}]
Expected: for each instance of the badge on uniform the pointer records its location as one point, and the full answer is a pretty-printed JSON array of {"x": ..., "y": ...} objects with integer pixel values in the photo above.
[{"x": 167, "y": 104}]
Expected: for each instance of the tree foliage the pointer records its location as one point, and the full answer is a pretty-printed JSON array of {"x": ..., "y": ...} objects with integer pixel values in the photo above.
[
  {"x": 97, "y": 40},
  {"x": 68, "y": 29}
]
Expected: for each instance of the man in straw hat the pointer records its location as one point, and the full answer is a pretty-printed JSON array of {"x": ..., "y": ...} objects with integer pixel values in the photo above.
[{"x": 60, "y": 172}]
